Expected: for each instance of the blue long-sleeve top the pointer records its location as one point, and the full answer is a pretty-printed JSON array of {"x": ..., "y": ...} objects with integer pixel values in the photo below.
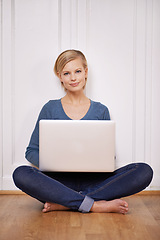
[{"x": 54, "y": 110}]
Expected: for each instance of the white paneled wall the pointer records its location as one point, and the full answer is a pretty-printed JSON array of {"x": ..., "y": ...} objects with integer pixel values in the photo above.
[{"x": 121, "y": 40}]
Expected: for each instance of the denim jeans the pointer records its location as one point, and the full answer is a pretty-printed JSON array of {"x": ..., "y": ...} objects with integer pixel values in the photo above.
[{"x": 78, "y": 191}]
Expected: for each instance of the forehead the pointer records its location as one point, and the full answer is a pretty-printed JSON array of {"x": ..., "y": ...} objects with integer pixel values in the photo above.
[{"x": 74, "y": 64}]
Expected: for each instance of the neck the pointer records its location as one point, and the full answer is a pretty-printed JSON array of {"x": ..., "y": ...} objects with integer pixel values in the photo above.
[{"x": 75, "y": 98}]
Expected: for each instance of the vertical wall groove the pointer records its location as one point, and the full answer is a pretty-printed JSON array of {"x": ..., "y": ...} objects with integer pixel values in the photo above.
[
  {"x": 87, "y": 24},
  {"x": 1, "y": 96},
  {"x": 77, "y": 23},
  {"x": 134, "y": 82},
  {"x": 59, "y": 25},
  {"x": 74, "y": 24},
  {"x": 148, "y": 79},
  {"x": 145, "y": 80},
  {"x": 13, "y": 77}
]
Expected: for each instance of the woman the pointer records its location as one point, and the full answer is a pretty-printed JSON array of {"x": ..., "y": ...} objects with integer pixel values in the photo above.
[{"x": 85, "y": 192}]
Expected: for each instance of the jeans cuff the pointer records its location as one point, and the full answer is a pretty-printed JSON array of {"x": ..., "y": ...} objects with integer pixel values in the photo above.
[{"x": 86, "y": 205}]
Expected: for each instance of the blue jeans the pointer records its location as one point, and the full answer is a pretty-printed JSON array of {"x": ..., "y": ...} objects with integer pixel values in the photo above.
[{"x": 78, "y": 191}]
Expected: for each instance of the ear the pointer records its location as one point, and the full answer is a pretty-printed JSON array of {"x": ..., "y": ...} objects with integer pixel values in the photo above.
[
  {"x": 59, "y": 76},
  {"x": 86, "y": 72}
]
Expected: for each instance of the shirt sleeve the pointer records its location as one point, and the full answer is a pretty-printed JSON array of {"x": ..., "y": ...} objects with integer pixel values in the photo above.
[
  {"x": 106, "y": 115},
  {"x": 32, "y": 151}
]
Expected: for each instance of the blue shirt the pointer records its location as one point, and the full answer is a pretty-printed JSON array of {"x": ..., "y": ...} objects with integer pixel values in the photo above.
[{"x": 54, "y": 110}]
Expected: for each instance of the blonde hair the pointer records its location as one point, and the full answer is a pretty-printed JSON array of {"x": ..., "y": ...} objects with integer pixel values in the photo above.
[{"x": 66, "y": 57}]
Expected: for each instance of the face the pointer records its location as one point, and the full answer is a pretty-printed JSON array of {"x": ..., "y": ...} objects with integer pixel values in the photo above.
[{"x": 73, "y": 75}]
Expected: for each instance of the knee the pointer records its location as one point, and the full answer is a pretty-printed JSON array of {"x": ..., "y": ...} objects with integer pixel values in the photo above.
[
  {"x": 19, "y": 175},
  {"x": 146, "y": 173}
]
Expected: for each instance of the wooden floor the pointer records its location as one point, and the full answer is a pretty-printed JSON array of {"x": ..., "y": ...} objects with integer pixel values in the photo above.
[{"x": 21, "y": 218}]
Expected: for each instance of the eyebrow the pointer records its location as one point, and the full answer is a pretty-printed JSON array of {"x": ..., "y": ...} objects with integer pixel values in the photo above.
[{"x": 69, "y": 70}]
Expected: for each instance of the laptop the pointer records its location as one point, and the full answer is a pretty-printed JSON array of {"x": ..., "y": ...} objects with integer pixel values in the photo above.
[{"x": 77, "y": 145}]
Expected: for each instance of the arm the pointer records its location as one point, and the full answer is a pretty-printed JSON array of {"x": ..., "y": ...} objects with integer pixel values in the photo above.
[{"x": 32, "y": 151}]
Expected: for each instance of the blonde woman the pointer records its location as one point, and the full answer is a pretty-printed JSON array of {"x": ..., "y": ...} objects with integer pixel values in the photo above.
[{"x": 84, "y": 192}]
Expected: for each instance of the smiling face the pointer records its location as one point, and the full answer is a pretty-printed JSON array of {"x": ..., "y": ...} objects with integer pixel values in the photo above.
[{"x": 74, "y": 75}]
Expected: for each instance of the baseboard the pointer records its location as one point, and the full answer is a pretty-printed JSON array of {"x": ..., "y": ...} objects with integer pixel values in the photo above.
[
  {"x": 149, "y": 192},
  {"x": 11, "y": 192},
  {"x": 16, "y": 192}
]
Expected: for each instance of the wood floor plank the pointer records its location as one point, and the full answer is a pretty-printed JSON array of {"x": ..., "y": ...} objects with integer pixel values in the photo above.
[
  {"x": 140, "y": 212},
  {"x": 21, "y": 218},
  {"x": 75, "y": 219},
  {"x": 153, "y": 204}
]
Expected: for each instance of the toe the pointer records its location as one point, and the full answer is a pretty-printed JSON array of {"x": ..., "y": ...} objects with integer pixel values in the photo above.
[{"x": 123, "y": 210}]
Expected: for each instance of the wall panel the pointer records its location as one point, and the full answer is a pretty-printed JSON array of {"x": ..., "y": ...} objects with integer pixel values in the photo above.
[
  {"x": 7, "y": 86},
  {"x": 155, "y": 97},
  {"x": 28, "y": 80},
  {"x": 111, "y": 59}
]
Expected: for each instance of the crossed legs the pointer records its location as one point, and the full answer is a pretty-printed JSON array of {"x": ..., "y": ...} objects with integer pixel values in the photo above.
[{"x": 103, "y": 196}]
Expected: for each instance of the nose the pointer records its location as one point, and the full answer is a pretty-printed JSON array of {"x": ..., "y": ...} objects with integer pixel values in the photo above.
[{"x": 73, "y": 77}]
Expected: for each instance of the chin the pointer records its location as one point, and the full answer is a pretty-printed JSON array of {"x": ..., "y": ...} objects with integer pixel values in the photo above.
[{"x": 75, "y": 89}]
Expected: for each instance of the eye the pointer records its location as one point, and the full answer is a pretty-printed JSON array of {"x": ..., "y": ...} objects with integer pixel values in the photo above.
[
  {"x": 66, "y": 73},
  {"x": 78, "y": 71}
]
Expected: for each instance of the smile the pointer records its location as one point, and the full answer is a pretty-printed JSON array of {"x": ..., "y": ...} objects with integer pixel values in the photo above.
[{"x": 74, "y": 84}]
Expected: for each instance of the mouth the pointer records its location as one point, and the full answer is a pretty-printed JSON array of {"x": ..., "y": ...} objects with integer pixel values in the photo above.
[{"x": 74, "y": 84}]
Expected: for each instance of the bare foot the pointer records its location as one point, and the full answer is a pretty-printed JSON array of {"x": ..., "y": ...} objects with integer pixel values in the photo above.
[
  {"x": 48, "y": 207},
  {"x": 117, "y": 206}
]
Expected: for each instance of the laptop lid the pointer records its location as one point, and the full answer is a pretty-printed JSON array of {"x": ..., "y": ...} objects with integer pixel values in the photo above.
[{"x": 77, "y": 145}]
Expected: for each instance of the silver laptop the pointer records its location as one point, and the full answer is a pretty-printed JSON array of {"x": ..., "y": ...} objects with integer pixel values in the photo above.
[{"x": 77, "y": 145}]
